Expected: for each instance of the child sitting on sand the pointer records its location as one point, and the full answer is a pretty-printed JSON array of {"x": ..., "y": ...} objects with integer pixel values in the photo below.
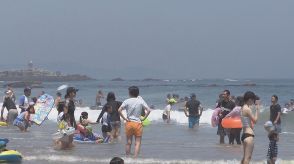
[
  {"x": 22, "y": 121},
  {"x": 273, "y": 137}
]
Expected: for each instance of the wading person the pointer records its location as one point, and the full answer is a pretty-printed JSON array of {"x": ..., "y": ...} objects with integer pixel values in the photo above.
[
  {"x": 250, "y": 101},
  {"x": 133, "y": 127}
]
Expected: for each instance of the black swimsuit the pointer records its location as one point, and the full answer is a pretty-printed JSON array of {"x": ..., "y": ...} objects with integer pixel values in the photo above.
[
  {"x": 245, "y": 123},
  {"x": 245, "y": 135}
]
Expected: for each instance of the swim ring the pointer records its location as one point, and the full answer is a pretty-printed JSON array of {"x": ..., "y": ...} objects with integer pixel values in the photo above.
[
  {"x": 3, "y": 123},
  {"x": 214, "y": 117},
  {"x": 10, "y": 156}
]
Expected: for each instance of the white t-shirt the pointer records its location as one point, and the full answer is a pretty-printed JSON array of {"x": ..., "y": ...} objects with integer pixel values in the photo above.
[
  {"x": 167, "y": 109},
  {"x": 134, "y": 107},
  {"x": 104, "y": 119},
  {"x": 24, "y": 101}
]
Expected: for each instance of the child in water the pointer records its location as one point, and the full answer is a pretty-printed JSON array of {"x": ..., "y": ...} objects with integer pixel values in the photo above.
[
  {"x": 106, "y": 128},
  {"x": 273, "y": 137},
  {"x": 22, "y": 121},
  {"x": 167, "y": 110},
  {"x": 85, "y": 129},
  {"x": 65, "y": 133}
]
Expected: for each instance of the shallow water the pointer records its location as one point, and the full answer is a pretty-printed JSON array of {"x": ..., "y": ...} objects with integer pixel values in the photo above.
[
  {"x": 162, "y": 143},
  {"x": 170, "y": 143}
]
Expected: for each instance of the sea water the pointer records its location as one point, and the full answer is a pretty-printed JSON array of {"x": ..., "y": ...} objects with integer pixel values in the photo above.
[{"x": 161, "y": 143}]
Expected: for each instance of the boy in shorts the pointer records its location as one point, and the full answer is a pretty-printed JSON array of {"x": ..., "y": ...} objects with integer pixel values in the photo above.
[{"x": 133, "y": 127}]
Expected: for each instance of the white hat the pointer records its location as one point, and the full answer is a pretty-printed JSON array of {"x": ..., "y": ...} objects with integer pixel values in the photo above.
[
  {"x": 8, "y": 91},
  {"x": 269, "y": 127}
]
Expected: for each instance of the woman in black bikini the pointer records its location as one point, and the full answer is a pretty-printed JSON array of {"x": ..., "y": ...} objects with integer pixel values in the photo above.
[{"x": 247, "y": 117}]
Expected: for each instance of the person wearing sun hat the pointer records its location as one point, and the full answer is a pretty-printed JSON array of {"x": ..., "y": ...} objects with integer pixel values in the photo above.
[
  {"x": 69, "y": 107},
  {"x": 273, "y": 136},
  {"x": 9, "y": 104},
  {"x": 167, "y": 110}
]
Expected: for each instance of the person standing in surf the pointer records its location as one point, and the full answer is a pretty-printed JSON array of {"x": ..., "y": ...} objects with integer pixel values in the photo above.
[
  {"x": 99, "y": 96},
  {"x": 193, "y": 110},
  {"x": 23, "y": 120},
  {"x": 9, "y": 87},
  {"x": 58, "y": 103},
  {"x": 275, "y": 113},
  {"x": 9, "y": 104},
  {"x": 106, "y": 127},
  {"x": 69, "y": 106},
  {"x": 273, "y": 136},
  {"x": 133, "y": 127},
  {"x": 24, "y": 100},
  {"x": 235, "y": 132},
  {"x": 167, "y": 110},
  {"x": 114, "y": 115},
  {"x": 226, "y": 106},
  {"x": 250, "y": 100}
]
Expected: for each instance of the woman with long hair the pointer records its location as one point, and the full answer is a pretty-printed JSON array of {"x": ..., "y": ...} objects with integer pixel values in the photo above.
[
  {"x": 114, "y": 115},
  {"x": 247, "y": 118}
]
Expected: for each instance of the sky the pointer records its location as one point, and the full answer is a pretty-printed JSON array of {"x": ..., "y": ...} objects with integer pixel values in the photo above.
[{"x": 131, "y": 39}]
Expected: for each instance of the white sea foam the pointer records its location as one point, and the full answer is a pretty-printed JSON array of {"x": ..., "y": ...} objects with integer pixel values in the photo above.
[
  {"x": 69, "y": 159},
  {"x": 180, "y": 117},
  {"x": 231, "y": 80},
  {"x": 155, "y": 115}
]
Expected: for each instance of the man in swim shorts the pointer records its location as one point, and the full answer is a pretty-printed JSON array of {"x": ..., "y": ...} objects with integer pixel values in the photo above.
[
  {"x": 133, "y": 127},
  {"x": 193, "y": 111}
]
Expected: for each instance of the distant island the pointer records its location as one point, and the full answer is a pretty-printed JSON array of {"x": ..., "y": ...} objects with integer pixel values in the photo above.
[
  {"x": 118, "y": 79},
  {"x": 145, "y": 80},
  {"x": 151, "y": 79},
  {"x": 32, "y": 74}
]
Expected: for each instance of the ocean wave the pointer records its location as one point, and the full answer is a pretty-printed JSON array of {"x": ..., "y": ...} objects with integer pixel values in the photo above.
[
  {"x": 75, "y": 159},
  {"x": 155, "y": 116},
  {"x": 231, "y": 80}
]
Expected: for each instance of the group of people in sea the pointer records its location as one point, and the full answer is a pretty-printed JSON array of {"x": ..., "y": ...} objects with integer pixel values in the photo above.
[
  {"x": 192, "y": 108},
  {"x": 22, "y": 119},
  {"x": 228, "y": 106},
  {"x": 137, "y": 111},
  {"x": 243, "y": 107},
  {"x": 288, "y": 107},
  {"x": 109, "y": 118}
]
